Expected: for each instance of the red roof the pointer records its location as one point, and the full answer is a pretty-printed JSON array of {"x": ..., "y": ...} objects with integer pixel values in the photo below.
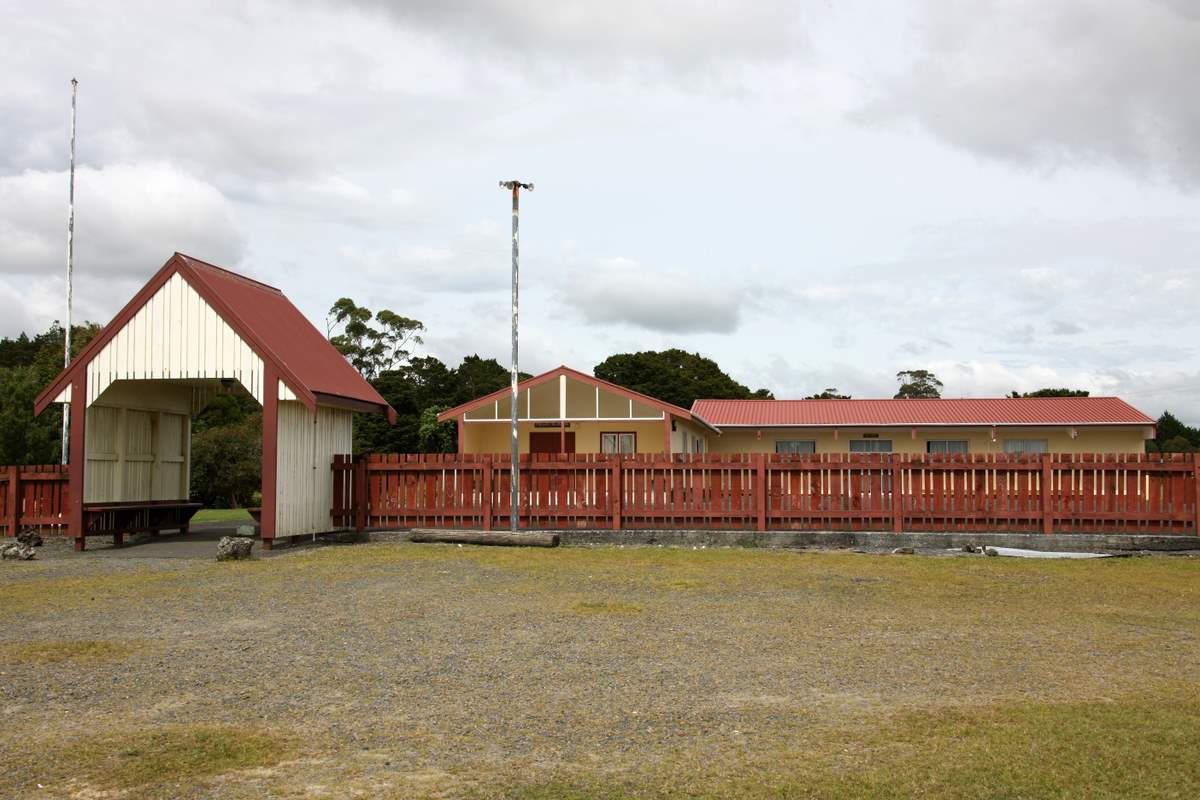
[
  {"x": 274, "y": 328},
  {"x": 966, "y": 411}
]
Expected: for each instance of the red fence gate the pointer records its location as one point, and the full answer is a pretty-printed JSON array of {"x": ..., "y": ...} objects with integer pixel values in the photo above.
[{"x": 1059, "y": 493}]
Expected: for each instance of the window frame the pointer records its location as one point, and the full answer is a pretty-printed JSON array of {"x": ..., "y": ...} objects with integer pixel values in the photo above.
[
  {"x": 871, "y": 442},
  {"x": 618, "y": 451},
  {"x": 811, "y": 442},
  {"x": 966, "y": 446},
  {"x": 1045, "y": 448}
]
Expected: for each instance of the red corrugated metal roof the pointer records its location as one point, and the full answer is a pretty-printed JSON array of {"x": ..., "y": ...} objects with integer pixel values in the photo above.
[
  {"x": 966, "y": 411},
  {"x": 268, "y": 322},
  {"x": 295, "y": 342}
]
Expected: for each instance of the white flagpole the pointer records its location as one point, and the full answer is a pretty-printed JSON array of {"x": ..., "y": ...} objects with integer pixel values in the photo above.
[{"x": 66, "y": 417}]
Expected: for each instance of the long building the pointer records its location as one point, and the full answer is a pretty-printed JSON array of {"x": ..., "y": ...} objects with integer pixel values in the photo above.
[{"x": 568, "y": 411}]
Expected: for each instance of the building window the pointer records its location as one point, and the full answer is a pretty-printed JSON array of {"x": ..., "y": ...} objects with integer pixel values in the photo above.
[
  {"x": 697, "y": 445},
  {"x": 946, "y": 446},
  {"x": 870, "y": 445},
  {"x": 622, "y": 443},
  {"x": 1035, "y": 446},
  {"x": 795, "y": 447}
]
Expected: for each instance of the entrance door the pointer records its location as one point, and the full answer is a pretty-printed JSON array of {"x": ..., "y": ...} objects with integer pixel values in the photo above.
[{"x": 549, "y": 442}]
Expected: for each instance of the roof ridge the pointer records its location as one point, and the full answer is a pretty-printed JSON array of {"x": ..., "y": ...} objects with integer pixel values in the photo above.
[{"x": 228, "y": 273}]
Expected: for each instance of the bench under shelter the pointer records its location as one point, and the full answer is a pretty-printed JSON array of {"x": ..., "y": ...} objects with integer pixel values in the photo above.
[{"x": 194, "y": 331}]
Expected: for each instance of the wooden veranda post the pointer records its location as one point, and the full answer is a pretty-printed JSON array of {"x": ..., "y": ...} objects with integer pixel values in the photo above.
[
  {"x": 13, "y": 503},
  {"x": 1047, "y": 507}
]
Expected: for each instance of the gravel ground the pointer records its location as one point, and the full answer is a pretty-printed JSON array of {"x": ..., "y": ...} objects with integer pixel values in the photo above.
[{"x": 402, "y": 670}]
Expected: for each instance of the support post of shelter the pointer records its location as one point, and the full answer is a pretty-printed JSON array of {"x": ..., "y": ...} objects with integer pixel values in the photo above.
[
  {"x": 270, "y": 455},
  {"x": 13, "y": 503},
  {"x": 462, "y": 429},
  {"x": 667, "y": 435},
  {"x": 77, "y": 454},
  {"x": 1047, "y": 509}
]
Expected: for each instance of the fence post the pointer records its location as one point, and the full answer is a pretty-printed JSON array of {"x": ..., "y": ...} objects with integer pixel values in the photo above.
[
  {"x": 1196, "y": 491},
  {"x": 897, "y": 496},
  {"x": 487, "y": 493},
  {"x": 360, "y": 493},
  {"x": 615, "y": 491},
  {"x": 14, "y": 501},
  {"x": 1047, "y": 510},
  {"x": 760, "y": 490}
]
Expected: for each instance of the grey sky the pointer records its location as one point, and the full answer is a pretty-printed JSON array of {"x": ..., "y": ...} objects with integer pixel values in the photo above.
[{"x": 815, "y": 194}]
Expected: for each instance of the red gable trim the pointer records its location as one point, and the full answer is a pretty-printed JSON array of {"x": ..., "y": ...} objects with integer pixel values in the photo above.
[{"x": 591, "y": 380}]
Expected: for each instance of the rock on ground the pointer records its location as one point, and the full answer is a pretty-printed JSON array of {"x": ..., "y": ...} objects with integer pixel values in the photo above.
[
  {"x": 30, "y": 537},
  {"x": 233, "y": 548},
  {"x": 17, "y": 551}
]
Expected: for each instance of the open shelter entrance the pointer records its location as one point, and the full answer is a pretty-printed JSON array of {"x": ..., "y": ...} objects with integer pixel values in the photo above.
[{"x": 194, "y": 331}]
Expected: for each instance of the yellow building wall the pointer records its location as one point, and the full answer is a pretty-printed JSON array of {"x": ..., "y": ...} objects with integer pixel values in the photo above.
[
  {"x": 1128, "y": 439},
  {"x": 493, "y": 437}
]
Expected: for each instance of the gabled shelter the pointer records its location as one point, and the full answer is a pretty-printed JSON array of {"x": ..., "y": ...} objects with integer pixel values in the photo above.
[
  {"x": 568, "y": 411},
  {"x": 193, "y": 331}
]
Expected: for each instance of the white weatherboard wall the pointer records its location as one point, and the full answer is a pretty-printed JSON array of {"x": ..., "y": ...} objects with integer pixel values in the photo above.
[
  {"x": 304, "y": 479},
  {"x": 176, "y": 334}
]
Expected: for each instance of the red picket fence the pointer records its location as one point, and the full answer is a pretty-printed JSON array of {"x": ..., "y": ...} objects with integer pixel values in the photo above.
[
  {"x": 1059, "y": 493},
  {"x": 33, "y": 496}
]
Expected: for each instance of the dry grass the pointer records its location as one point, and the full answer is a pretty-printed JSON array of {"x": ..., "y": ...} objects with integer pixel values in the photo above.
[
  {"x": 429, "y": 671},
  {"x": 150, "y": 759},
  {"x": 79, "y": 651}
]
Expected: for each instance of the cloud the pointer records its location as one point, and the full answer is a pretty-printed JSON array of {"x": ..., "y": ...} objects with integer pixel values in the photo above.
[
  {"x": 129, "y": 218},
  {"x": 623, "y": 291},
  {"x": 671, "y": 35},
  {"x": 476, "y": 259},
  {"x": 1046, "y": 84}
]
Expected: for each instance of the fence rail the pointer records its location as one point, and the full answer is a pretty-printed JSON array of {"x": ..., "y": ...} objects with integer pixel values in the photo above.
[
  {"x": 33, "y": 496},
  {"x": 1052, "y": 493}
]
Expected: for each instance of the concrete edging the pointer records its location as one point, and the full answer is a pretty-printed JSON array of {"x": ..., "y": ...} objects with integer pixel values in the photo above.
[{"x": 670, "y": 537}]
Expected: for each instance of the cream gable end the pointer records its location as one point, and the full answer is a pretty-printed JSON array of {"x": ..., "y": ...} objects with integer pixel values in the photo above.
[{"x": 176, "y": 334}]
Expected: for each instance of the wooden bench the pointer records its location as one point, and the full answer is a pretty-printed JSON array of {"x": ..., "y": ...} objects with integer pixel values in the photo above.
[{"x": 118, "y": 519}]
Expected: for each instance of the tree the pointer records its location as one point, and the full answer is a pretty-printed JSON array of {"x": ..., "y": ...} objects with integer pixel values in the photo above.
[
  {"x": 1053, "y": 393},
  {"x": 418, "y": 391},
  {"x": 372, "y": 348},
  {"x": 227, "y": 463},
  {"x": 918, "y": 383},
  {"x": 27, "y": 365},
  {"x": 674, "y": 376},
  {"x": 829, "y": 394},
  {"x": 1173, "y": 436}
]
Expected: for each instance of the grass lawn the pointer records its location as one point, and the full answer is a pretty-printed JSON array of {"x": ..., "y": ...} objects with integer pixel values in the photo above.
[
  {"x": 430, "y": 671},
  {"x": 222, "y": 515}
]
